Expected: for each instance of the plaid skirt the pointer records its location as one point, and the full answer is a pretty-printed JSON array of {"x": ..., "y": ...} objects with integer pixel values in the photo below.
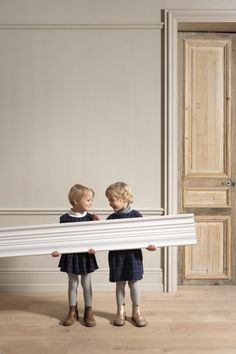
[
  {"x": 125, "y": 265},
  {"x": 78, "y": 263}
]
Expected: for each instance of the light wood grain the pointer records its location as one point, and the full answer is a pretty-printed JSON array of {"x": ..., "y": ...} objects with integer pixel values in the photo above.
[
  {"x": 207, "y": 63},
  {"x": 206, "y": 109},
  {"x": 194, "y": 320}
]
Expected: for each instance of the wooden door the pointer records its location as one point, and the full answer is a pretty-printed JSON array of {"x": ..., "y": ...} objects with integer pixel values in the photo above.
[{"x": 207, "y": 155}]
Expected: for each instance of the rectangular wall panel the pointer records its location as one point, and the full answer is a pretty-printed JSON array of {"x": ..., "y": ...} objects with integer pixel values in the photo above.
[{"x": 66, "y": 82}]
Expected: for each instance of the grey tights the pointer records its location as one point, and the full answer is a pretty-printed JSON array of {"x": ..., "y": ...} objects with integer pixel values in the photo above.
[
  {"x": 73, "y": 282},
  {"x": 134, "y": 292}
]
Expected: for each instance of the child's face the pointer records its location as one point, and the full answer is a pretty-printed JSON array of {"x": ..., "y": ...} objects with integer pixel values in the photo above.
[
  {"x": 85, "y": 203},
  {"x": 117, "y": 203}
]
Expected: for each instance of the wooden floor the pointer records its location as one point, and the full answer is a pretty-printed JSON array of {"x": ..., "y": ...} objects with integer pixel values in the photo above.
[{"x": 194, "y": 320}]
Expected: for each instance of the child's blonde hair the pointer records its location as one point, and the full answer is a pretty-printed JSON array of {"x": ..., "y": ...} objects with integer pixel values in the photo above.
[
  {"x": 120, "y": 190},
  {"x": 77, "y": 192}
]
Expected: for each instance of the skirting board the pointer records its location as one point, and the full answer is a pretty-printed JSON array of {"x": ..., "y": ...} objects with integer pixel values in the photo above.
[{"x": 102, "y": 235}]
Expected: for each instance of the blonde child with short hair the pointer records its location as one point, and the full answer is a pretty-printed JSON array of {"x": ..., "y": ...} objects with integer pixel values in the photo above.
[
  {"x": 125, "y": 265},
  {"x": 75, "y": 264}
]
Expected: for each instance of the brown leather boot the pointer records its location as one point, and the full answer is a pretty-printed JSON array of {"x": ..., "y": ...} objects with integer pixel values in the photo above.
[
  {"x": 72, "y": 316},
  {"x": 89, "y": 320},
  {"x": 120, "y": 316},
  {"x": 137, "y": 318}
]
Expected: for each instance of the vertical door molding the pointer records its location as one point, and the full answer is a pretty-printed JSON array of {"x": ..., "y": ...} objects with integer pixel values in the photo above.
[{"x": 176, "y": 20}]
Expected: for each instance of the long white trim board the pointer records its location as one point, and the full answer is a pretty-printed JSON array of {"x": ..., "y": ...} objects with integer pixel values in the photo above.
[{"x": 101, "y": 235}]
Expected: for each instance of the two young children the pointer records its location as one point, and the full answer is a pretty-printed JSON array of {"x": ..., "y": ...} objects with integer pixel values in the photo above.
[{"x": 125, "y": 265}]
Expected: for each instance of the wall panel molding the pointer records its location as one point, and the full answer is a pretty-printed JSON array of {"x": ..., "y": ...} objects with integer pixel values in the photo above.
[
  {"x": 60, "y": 211},
  {"x": 52, "y": 280},
  {"x": 22, "y": 270},
  {"x": 114, "y": 26},
  {"x": 181, "y": 16}
]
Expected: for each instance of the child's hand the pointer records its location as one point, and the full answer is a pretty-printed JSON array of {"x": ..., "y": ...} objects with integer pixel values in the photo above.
[
  {"x": 55, "y": 254},
  {"x": 95, "y": 217},
  {"x": 91, "y": 251},
  {"x": 151, "y": 248}
]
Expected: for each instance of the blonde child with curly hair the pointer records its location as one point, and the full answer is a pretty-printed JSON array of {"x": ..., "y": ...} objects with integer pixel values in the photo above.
[
  {"x": 75, "y": 264},
  {"x": 125, "y": 265}
]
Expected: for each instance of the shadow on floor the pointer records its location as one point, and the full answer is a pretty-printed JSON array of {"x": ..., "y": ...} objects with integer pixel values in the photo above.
[{"x": 51, "y": 307}]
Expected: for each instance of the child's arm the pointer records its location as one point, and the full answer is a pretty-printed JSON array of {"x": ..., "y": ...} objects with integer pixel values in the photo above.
[{"x": 151, "y": 248}]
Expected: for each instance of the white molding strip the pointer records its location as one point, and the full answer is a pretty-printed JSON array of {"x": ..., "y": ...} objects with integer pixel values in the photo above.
[
  {"x": 60, "y": 211},
  {"x": 100, "y": 235},
  {"x": 203, "y": 15},
  {"x": 171, "y": 157}
]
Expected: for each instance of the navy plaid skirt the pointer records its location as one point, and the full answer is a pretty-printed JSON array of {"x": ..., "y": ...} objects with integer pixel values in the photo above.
[
  {"x": 78, "y": 263},
  {"x": 125, "y": 265}
]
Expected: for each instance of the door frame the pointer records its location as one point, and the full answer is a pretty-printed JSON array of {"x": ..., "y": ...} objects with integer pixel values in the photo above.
[{"x": 176, "y": 20}]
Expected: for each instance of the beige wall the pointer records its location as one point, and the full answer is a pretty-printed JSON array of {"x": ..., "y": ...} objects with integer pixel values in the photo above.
[
  {"x": 79, "y": 104},
  {"x": 80, "y": 101}
]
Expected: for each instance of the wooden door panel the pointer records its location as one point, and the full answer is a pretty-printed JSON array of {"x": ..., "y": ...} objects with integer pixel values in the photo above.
[
  {"x": 207, "y": 113},
  {"x": 205, "y": 157},
  {"x": 203, "y": 197},
  {"x": 211, "y": 257}
]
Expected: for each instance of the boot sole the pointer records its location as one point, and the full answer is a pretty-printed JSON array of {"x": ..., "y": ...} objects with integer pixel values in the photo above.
[
  {"x": 89, "y": 324},
  {"x": 137, "y": 324}
]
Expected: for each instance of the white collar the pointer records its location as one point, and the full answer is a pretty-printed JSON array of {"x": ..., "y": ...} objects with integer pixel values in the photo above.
[{"x": 73, "y": 214}]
